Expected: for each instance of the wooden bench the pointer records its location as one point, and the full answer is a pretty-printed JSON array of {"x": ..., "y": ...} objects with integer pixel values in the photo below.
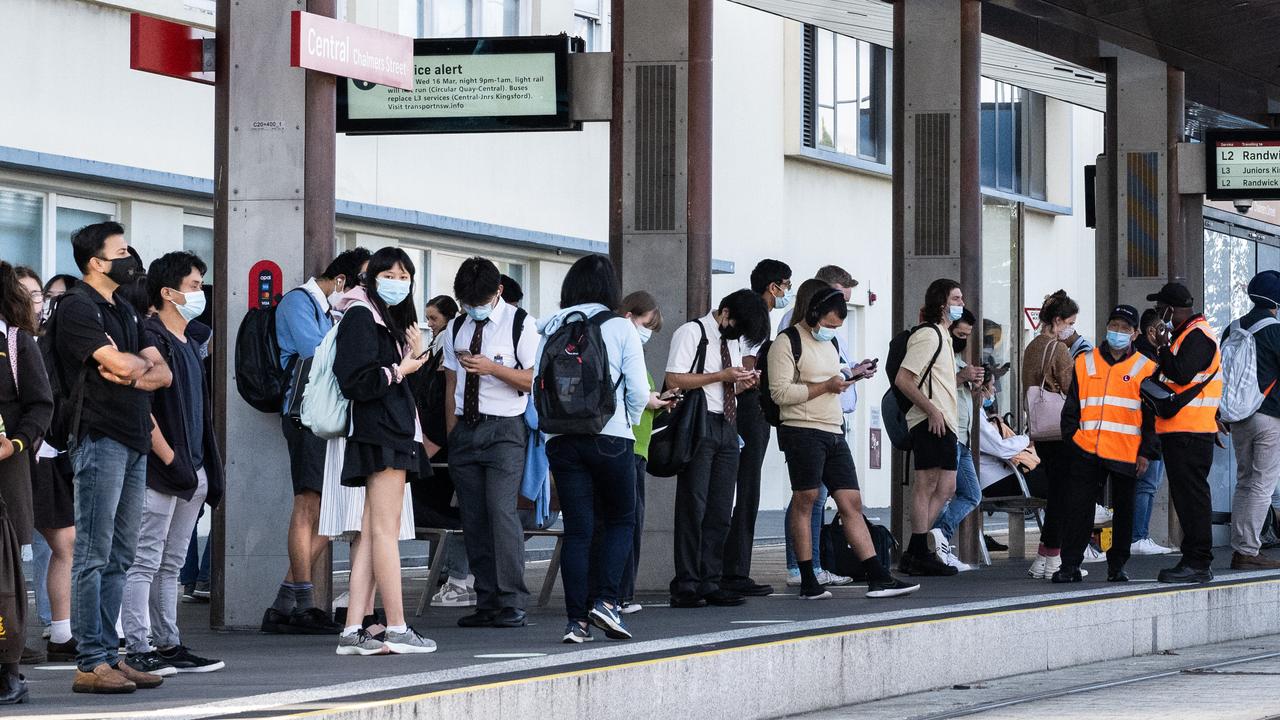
[{"x": 440, "y": 539}]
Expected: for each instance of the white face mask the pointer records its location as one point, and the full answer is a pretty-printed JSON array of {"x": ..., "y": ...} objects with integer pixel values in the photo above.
[
  {"x": 645, "y": 333},
  {"x": 1066, "y": 333},
  {"x": 338, "y": 291}
]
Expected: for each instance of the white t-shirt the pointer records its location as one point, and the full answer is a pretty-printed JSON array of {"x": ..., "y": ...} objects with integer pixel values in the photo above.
[
  {"x": 496, "y": 397},
  {"x": 684, "y": 346}
]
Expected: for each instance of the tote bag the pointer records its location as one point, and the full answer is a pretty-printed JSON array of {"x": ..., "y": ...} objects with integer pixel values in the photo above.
[
  {"x": 1044, "y": 406},
  {"x": 676, "y": 434}
]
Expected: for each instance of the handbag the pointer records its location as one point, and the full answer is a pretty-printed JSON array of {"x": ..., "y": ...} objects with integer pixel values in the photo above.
[
  {"x": 676, "y": 433},
  {"x": 1164, "y": 401},
  {"x": 13, "y": 591},
  {"x": 1044, "y": 406}
]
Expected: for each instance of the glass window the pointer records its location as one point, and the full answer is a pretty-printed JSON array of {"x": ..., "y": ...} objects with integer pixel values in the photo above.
[
  {"x": 1002, "y": 315},
  {"x": 848, "y": 92},
  {"x": 1229, "y": 264},
  {"x": 468, "y": 18},
  {"x": 197, "y": 238},
  {"x": 589, "y": 24},
  {"x": 73, "y": 214},
  {"x": 1268, "y": 257},
  {"x": 21, "y": 227},
  {"x": 1010, "y": 116}
]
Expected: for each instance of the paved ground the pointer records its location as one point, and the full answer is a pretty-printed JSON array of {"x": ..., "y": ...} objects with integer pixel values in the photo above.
[
  {"x": 1228, "y": 681},
  {"x": 269, "y": 671}
]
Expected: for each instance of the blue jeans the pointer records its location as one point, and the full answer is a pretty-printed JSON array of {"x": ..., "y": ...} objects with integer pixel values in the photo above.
[
  {"x": 593, "y": 470},
  {"x": 627, "y": 589},
  {"x": 40, "y": 555},
  {"x": 196, "y": 568},
  {"x": 968, "y": 494},
  {"x": 1144, "y": 493},
  {"x": 819, "y": 515},
  {"x": 110, "y": 480}
]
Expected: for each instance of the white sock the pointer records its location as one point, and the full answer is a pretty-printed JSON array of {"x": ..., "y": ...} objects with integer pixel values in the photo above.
[
  {"x": 60, "y": 631},
  {"x": 397, "y": 628},
  {"x": 350, "y": 630}
]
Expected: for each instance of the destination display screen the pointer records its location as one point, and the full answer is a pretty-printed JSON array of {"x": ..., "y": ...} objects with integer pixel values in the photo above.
[
  {"x": 503, "y": 84},
  {"x": 1243, "y": 164}
]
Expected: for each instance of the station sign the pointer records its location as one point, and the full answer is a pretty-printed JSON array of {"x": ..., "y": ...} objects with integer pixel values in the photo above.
[
  {"x": 171, "y": 49},
  {"x": 467, "y": 85},
  {"x": 1242, "y": 164},
  {"x": 351, "y": 51}
]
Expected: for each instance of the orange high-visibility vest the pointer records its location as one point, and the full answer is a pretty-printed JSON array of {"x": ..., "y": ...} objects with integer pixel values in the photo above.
[
  {"x": 1110, "y": 405},
  {"x": 1201, "y": 414}
]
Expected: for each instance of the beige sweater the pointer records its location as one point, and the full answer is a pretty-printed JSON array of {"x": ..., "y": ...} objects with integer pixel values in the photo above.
[{"x": 819, "y": 362}]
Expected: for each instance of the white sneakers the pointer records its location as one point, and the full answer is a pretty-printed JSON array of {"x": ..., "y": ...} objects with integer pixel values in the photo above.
[
  {"x": 1092, "y": 555},
  {"x": 940, "y": 547},
  {"x": 1147, "y": 546},
  {"x": 829, "y": 578},
  {"x": 1101, "y": 516}
]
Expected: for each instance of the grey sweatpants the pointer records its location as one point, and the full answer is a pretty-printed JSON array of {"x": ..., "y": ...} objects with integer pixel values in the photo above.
[
  {"x": 1257, "y": 447},
  {"x": 150, "y": 604}
]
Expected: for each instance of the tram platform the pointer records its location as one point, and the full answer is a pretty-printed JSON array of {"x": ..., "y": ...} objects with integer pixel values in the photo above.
[{"x": 772, "y": 657}]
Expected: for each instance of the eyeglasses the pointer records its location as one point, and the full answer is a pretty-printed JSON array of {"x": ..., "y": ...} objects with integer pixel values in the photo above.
[{"x": 37, "y": 296}]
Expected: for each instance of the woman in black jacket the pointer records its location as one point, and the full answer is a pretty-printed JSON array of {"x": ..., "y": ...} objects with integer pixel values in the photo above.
[
  {"x": 376, "y": 349},
  {"x": 26, "y": 406}
]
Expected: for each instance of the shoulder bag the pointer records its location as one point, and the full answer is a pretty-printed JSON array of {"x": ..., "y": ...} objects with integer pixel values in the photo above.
[
  {"x": 676, "y": 433},
  {"x": 1044, "y": 406}
]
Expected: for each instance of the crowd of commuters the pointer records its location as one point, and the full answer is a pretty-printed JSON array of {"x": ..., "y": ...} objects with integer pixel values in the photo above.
[{"x": 109, "y": 455}]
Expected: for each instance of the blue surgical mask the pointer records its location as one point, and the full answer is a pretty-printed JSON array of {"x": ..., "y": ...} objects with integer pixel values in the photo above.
[
  {"x": 194, "y": 306},
  {"x": 393, "y": 292},
  {"x": 824, "y": 334},
  {"x": 645, "y": 334},
  {"x": 785, "y": 300},
  {"x": 988, "y": 403},
  {"x": 478, "y": 314},
  {"x": 1118, "y": 340},
  {"x": 956, "y": 311}
]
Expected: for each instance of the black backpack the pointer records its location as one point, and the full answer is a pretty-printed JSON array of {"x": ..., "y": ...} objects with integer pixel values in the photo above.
[
  {"x": 839, "y": 558},
  {"x": 773, "y": 413},
  {"x": 894, "y": 405},
  {"x": 259, "y": 378},
  {"x": 68, "y": 393},
  {"x": 575, "y": 395}
]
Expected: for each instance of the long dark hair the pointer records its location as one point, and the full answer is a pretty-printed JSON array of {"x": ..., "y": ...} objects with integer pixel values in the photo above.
[
  {"x": 400, "y": 317},
  {"x": 935, "y": 300},
  {"x": 15, "y": 301},
  {"x": 1058, "y": 306}
]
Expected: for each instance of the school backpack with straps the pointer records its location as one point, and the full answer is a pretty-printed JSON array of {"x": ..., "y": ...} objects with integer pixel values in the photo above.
[
  {"x": 517, "y": 330},
  {"x": 68, "y": 393},
  {"x": 259, "y": 378},
  {"x": 1241, "y": 396},
  {"x": 773, "y": 413},
  {"x": 894, "y": 405},
  {"x": 326, "y": 412},
  {"x": 575, "y": 394}
]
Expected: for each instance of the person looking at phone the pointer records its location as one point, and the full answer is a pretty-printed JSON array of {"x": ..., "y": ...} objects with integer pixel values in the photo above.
[
  {"x": 968, "y": 494},
  {"x": 488, "y": 359},
  {"x": 705, "y": 487},
  {"x": 807, "y": 391}
]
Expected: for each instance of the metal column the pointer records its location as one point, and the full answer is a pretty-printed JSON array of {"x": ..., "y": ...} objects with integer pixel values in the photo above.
[
  {"x": 937, "y": 197},
  {"x": 660, "y": 193}
]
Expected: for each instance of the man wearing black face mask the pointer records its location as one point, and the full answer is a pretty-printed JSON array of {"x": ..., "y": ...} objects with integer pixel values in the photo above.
[
  {"x": 704, "y": 489},
  {"x": 104, "y": 358}
]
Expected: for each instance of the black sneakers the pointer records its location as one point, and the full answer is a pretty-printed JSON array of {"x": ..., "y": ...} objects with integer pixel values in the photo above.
[
  {"x": 888, "y": 587},
  {"x": 924, "y": 566},
  {"x": 152, "y": 663},
  {"x": 1067, "y": 574},
  {"x": 61, "y": 652},
  {"x": 1185, "y": 574},
  {"x": 312, "y": 621},
  {"x": 184, "y": 661}
]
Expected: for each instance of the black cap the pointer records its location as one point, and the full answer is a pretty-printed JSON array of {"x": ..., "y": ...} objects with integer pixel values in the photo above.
[
  {"x": 1127, "y": 313},
  {"x": 1173, "y": 294}
]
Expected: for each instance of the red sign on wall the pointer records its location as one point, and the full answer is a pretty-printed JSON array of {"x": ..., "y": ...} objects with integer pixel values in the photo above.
[
  {"x": 171, "y": 49},
  {"x": 349, "y": 50},
  {"x": 265, "y": 281}
]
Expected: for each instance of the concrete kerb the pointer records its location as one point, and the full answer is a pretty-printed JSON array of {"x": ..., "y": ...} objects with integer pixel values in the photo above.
[{"x": 758, "y": 680}]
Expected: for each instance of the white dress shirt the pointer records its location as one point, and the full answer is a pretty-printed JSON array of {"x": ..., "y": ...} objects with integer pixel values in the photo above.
[
  {"x": 496, "y": 397},
  {"x": 684, "y": 346}
]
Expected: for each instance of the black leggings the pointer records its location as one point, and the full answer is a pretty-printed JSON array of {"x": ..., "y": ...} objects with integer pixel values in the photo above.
[{"x": 1055, "y": 458}]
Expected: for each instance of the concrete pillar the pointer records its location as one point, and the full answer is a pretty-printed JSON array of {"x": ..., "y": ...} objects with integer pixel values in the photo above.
[
  {"x": 937, "y": 196},
  {"x": 259, "y": 179},
  {"x": 660, "y": 194}
]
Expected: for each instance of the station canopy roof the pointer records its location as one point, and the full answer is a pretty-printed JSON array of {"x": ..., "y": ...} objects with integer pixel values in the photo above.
[{"x": 1229, "y": 49}]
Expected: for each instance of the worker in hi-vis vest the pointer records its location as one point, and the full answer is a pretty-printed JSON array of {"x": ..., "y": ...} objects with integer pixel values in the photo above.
[
  {"x": 1189, "y": 363},
  {"x": 1112, "y": 434}
]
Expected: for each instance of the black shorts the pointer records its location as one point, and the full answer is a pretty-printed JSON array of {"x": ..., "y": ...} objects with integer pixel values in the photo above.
[
  {"x": 932, "y": 452},
  {"x": 817, "y": 456},
  {"x": 306, "y": 456}
]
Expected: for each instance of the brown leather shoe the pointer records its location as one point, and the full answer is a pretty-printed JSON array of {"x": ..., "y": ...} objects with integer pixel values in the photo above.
[
  {"x": 103, "y": 679},
  {"x": 145, "y": 681},
  {"x": 1253, "y": 562}
]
